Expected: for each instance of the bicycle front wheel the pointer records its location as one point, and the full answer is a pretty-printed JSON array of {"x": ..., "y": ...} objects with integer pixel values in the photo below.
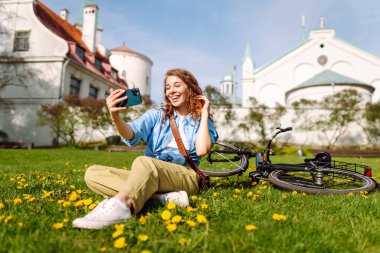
[
  {"x": 224, "y": 160},
  {"x": 328, "y": 181}
]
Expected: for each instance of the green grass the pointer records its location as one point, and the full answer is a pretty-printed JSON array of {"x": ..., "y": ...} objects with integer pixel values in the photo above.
[{"x": 313, "y": 223}]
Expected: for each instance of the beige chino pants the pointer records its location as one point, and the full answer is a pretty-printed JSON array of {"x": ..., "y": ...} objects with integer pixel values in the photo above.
[{"x": 146, "y": 177}]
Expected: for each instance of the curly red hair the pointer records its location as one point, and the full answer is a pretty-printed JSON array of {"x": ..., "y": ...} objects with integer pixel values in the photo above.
[{"x": 195, "y": 106}]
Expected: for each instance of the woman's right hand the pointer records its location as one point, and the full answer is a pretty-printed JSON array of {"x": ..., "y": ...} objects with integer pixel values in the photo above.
[{"x": 115, "y": 97}]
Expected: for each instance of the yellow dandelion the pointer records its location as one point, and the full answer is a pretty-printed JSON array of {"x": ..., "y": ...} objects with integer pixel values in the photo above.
[
  {"x": 1, "y": 205},
  {"x": 72, "y": 186},
  {"x": 78, "y": 203},
  {"x": 191, "y": 209},
  {"x": 103, "y": 249},
  {"x": 58, "y": 225},
  {"x": 66, "y": 204},
  {"x": 87, "y": 201},
  {"x": 194, "y": 197},
  {"x": 166, "y": 215},
  {"x": 350, "y": 194},
  {"x": 191, "y": 223},
  {"x": 364, "y": 196},
  {"x": 304, "y": 194},
  {"x": 249, "y": 194},
  {"x": 32, "y": 199},
  {"x": 120, "y": 243},
  {"x": 92, "y": 206},
  {"x": 17, "y": 201},
  {"x": 119, "y": 226},
  {"x": 143, "y": 237},
  {"x": 201, "y": 218},
  {"x": 237, "y": 190},
  {"x": 142, "y": 220},
  {"x": 171, "y": 227},
  {"x": 283, "y": 196},
  {"x": 294, "y": 193},
  {"x": 204, "y": 206},
  {"x": 176, "y": 219},
  {"x": 117, "y": 233},
  {"x": 215, "y": 194},
  {"x": 145, "y": 251},
  {"x": 183, "y": 241},
  {"x": 8, "y": 219},
  {"x": 73, "y": 196},
  {"x": 20, "y": 225},
  {"x": 250, "y": 227},
  {"x": 279, "y": 217},
  {"x": 171, "y": 205}
]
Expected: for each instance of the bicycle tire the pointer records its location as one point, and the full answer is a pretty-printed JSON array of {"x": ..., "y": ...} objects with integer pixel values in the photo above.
[
  {"x": 231, "y": 163},
  {"x": 291, "y": 181}
]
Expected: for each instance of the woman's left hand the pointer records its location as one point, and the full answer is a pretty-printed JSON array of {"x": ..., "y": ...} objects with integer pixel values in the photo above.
[{"x": 205, "y": 103}]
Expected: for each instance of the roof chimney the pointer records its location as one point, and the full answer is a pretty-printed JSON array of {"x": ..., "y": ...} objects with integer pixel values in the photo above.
[
  {"x": 90, "y": 15},
  {"x": 64, "y": 14}
]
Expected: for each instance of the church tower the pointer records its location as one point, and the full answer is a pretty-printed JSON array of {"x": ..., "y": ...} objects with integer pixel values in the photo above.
[
  {"x": 247, "y": 79},
  {"x": 248, "y": 65}
]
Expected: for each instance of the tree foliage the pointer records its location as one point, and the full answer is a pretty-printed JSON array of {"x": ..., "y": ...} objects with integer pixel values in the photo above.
[
  {"x": 331, "y": 117},
  {"x": 262, "y": 119},
  {"x": 372, "y": 124}
]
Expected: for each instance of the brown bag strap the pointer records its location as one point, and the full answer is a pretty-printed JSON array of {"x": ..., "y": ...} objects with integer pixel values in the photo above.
[{"x": 183, "y": 151}]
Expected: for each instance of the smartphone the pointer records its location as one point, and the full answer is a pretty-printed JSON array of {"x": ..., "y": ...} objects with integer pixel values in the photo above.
[{"x": 134, "y": 98}]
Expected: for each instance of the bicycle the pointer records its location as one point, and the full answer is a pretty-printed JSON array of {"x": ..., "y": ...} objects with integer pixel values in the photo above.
[{"x": 318, "y": 175}]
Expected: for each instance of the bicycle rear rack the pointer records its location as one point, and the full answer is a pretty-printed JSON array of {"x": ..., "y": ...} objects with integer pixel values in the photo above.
[{"x": 358, "y": 168}]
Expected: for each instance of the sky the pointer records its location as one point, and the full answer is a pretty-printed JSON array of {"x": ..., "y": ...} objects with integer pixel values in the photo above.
[{"x": 209, "y": 37}]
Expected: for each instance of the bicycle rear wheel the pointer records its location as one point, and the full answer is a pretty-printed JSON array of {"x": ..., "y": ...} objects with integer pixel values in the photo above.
[
  {"x": 331, "y": 181},
  {"x": 224, "y": 160}
]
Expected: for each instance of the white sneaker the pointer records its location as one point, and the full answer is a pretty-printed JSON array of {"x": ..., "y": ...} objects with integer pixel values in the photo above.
[
  {"x": 180, "y": 198},
  {"x": 106, "y": 213}
]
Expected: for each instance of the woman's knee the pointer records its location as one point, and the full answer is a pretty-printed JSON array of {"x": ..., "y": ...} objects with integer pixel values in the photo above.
[
  {"x": 91, "y": 173},
  {"x": 143, "y": 164}
]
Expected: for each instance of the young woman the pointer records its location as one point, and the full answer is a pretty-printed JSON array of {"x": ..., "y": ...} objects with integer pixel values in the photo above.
[{"x": 162, "y": 173}]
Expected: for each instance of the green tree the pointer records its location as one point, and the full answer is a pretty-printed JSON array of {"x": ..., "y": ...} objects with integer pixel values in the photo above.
[
  {"x": 371, "y": 127},
  {"x": 331, "y": 117},
  {"x": 262, "y": 118}
]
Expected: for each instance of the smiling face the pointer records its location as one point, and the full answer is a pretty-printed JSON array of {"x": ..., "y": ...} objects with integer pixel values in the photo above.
[{"x": 176, "y": 92}]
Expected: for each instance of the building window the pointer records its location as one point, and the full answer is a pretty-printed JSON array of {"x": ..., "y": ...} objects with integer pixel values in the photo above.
[
  {"x": 98, "y": 64},
  {"x": 147, "y": 81},
  {"x": 113, "y": 73},
  {"x": 74, "y": 86},
  {"x": 80, "y": 52},
  {"x": 93, "y": 92},
  {"x": 21, "y": 42},
  {"x": 124, "y": 75}
]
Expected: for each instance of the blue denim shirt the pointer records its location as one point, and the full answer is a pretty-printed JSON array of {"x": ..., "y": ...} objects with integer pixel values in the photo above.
[{"x": 150, "y": 129}]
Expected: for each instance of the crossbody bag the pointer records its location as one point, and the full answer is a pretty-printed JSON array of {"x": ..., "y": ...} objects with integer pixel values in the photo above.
[{"x": 204, "y": 178}]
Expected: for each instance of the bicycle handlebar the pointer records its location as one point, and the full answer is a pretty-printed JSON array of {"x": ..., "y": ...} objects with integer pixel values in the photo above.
[{"x": 286, "y": 129}]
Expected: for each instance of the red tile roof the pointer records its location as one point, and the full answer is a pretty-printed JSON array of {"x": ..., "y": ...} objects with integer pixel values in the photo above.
[{"x": 73, "y": 36}]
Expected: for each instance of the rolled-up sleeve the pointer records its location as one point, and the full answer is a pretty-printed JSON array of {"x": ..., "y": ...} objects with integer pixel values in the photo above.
[
  {"x": 213, "y": 133},
  {"x": 142, "y": 127}
]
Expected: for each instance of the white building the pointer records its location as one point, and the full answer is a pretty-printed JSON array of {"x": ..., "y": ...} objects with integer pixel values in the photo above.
[
  {"x": 43, "y": 58},
  {"x": 312, "y": 70},
  {"x": 134, "y": 68}
]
